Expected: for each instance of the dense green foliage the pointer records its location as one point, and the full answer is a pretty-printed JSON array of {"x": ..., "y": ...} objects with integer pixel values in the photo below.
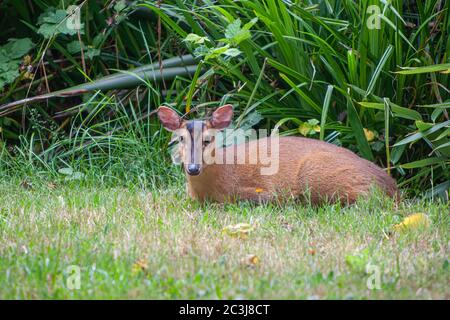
[
  {"x": 108, "y": 131},
  {"x": 332, "y": 70}
]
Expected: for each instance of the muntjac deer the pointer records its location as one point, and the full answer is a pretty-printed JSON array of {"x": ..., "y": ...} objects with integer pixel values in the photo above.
[{"x": 305, "y": 168}]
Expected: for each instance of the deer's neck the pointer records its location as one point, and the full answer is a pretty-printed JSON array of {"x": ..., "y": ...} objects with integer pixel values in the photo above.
[{"x": 205, "y": 184}]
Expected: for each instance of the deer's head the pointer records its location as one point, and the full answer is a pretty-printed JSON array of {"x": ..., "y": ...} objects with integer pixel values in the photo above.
[{"x": 195, "y": 137}]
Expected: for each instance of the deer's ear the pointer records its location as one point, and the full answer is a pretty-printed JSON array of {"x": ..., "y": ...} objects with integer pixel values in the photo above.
[
  {"x": 169, "y": 118},
  {"x": 222, "y": 117}
]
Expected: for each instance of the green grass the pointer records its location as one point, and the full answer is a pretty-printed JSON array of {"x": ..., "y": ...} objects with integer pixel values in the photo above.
[
  {"x": 135, "y": 234},
  {"x": 135, "y": 242}
]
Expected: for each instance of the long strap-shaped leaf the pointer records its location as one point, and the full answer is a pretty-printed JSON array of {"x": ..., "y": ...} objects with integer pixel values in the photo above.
[
  {"x": 445, "y": 68},
  {"x": 173, "y": 67}
]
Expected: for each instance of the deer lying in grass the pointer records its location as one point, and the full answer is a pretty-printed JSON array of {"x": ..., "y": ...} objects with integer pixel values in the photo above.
[{"x": 306, "y": 167}]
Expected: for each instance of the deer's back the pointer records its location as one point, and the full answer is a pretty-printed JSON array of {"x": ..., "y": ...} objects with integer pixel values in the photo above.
[{"x": 306, "y": 167}]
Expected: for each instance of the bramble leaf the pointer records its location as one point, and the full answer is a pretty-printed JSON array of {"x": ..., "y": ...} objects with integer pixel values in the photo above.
[{"x": 53, "y": 22}]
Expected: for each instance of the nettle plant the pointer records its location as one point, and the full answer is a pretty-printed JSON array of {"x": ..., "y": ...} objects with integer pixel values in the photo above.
[
  {"x": 14, "y": 60},
  {"x": 207, "y": 49}
]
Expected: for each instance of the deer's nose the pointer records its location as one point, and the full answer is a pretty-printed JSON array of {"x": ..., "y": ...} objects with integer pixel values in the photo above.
[{"x": 193, "y": 169}]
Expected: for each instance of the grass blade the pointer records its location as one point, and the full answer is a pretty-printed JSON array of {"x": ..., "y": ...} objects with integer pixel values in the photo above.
[
  {"x": 427, "y": 69},
  {"x": 326, "y": 105},
  {"x": 386, "y": 134},
  {"x": 379, "y": 68}
]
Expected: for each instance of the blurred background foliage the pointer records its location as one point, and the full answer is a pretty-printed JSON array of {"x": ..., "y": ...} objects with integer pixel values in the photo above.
[{"x": 372, "y": 76}]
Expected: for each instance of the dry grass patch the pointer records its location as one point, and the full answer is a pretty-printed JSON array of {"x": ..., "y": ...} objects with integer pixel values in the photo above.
[{"x": 159, "y": 244}]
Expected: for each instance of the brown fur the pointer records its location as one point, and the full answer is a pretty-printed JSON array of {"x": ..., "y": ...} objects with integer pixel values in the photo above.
[{"x": 308, "y": 168}]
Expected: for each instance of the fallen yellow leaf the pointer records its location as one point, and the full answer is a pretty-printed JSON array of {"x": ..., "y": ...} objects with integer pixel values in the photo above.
[
  {"x": 412, "y": 222},
  {"x": 251, "y": 260},
  {"x": 138, "y": 266},
  {"x": 370, "y": 135},
  {"x": 240, "y": 230}
]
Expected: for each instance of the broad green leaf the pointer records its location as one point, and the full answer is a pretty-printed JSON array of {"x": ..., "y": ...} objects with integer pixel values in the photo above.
[
  {"x": 194, "y": 38},
  {"x": 8, "y": 77},
  {"x": 17, "y": 48},
  {"x": 201, "y": 51},
  {"x": 215, "y": 52},
  {"x": 233, "y": 29},
  {"x": 397, "y": 153},
  {"x": 89, "y": 52},
  {"x": 232, "y": 52},
  {"x": 423, "y": 126},
  {"x": 235, "y": 35},
  {"x": 54, "y": 22},
  {"x": 120, "y": 5},
  {"x": 309, "y": 128},
  {"x": 10, "y": 55}
]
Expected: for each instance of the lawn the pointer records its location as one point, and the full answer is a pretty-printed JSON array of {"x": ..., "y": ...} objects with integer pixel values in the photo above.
[{"x": 135, "y": 242}]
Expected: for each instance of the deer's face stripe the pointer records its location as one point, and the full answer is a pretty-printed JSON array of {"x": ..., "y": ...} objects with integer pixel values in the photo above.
[{"x": 195, "y": 129}]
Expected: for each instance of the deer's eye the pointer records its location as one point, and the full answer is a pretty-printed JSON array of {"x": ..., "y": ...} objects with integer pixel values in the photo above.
[
  {"x": 206, "y": 142},
  {"x": 181, "y": 139}
]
